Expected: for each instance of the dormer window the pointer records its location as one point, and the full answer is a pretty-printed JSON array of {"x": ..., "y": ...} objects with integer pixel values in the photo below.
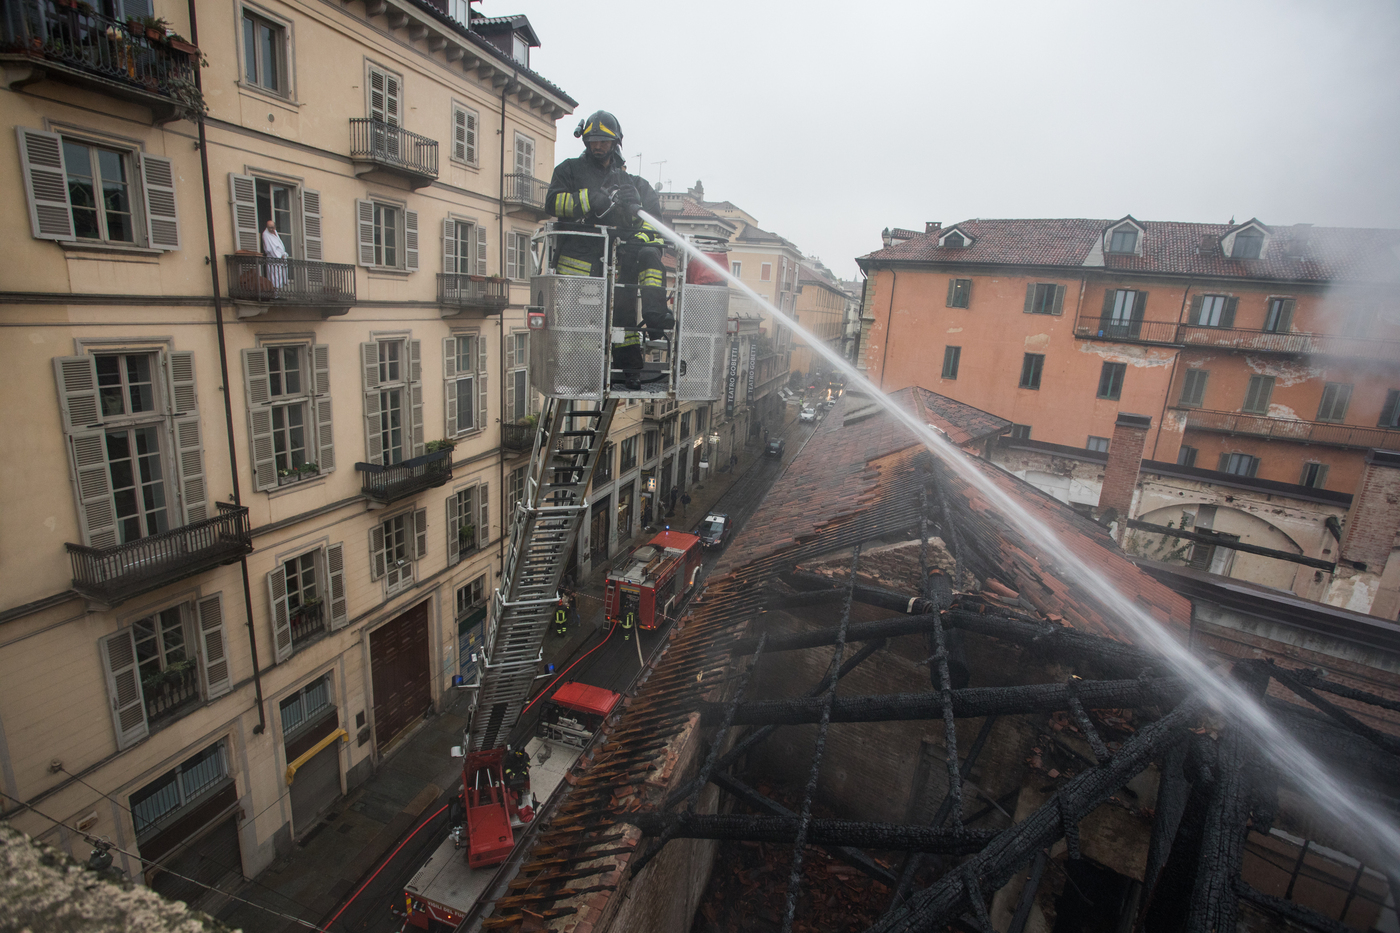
[
  {"x": 955, "y": 240},
  {"x": 1249, "y": 244},
  {"x": 1124, "y": 240},
  {"x": 520, "y": 50}
]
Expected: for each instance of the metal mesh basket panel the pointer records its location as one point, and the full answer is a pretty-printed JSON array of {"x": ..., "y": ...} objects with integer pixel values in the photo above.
[
  {"x": 569, "y": 355},
  {"x": 704, "y": 315}
]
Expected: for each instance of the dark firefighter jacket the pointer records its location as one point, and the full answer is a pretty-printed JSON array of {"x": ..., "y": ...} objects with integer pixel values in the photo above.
[{"x": 574, "y": 176}]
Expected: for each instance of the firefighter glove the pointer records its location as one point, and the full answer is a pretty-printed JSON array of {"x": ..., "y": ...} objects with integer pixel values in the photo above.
[{"x": 630, "y": 200}]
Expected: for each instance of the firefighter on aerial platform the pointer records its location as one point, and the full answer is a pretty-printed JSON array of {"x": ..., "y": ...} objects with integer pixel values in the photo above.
[
  {"x": 595, "y": 188},
  {"x": 516, "y": 767}
]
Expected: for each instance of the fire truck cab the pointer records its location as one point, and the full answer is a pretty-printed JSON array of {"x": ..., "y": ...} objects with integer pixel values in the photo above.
[{"x": 653, "y": 579}]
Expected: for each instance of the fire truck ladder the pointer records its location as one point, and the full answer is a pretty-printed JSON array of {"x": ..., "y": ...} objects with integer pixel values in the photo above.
[{"x": 546, "y": 521}]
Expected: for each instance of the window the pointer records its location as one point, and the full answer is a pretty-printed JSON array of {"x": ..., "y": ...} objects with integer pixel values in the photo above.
[
  {"x": 464, "y": 374},
  {"x": 951, "y": 357},
  {"x": 652, "y": 442},
  {"x": 296, "y": 212},
  {"x": 959, "y": 292},
  {"x": 1256, "y": 397},
  {"x": 1097, "y": 444},
  {"x": 515, "y": 489},
  {"x": 264, "y": 53},
  {"x": 1124, "y": 240},
  {"x": 1212, "y": 311},
  {"x": 394, "y": 545},
  {"x": 307, "y": 594},
  {"x": 1314, "y": 475},
  {"x": 736, "y": 269},
  {"x": 668, "y": 434},
  {"x": 603, "y": 472},
  {"x": 463, "y": 248},
  {"x": 1020, "y": 432},
  {"x": 1123, "y": 311},
  {"x": 1213, "y": 558},
  {"x": 1249, "y": 244},
  {"x": 1239, "y": 464},
  {"x": 385, "y": 100},
  {"x": 120, "y": 412},
  {"x": 1111, "y": 380},
  {"x": 1186, "y": 456},
  {"x": 306, "y": 706},
  {"x": 685, "y": 425},
  {"x": 1279, "y": 317},
  {"x": 518, "y": 401},
  {"x": 163, "y": 664},
  {"x": 1193, "y": 388},
  {"x": 464, "y": 129},
  {"x": 177, "y": 790},
  {"x": 388, "y": 236},
  {"x": 1031, "y": 366},
  {"x": 1336, "y": 396},
  {"x": 82, "y": 190},
  {"x": 524, "y": 156},
  {"x": 1390, "y": 411},
  {"x": 1042, "y": 298},
  {"x": 765, "y": 272},
  {"x": 955, "y": 240},
  {"x": 287, "y": 389},
  {"x": 520, "y": 258},
  {"x": 520, "y": 50},
  {"x": 468, "y": 521},
  {"x": 393, "y": 399},
  {"x": 471, "y": 596},
  {"x": 629, "y": 454}
]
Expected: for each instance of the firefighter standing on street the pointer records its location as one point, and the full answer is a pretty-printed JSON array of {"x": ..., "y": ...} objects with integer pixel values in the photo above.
[
  {"x": 595, "y": 188},
  {"x": 561, "y": 616},
  {"x": 628, "y": 621}
]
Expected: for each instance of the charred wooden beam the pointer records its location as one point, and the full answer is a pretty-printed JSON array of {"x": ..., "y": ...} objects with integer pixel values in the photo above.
[
  {"x": 1297, "y": 913},
  {"x": 968, "y": 702},
  {"x": 1327, "y": 565},
  {"x": 1317, "y": 680},
  {"x": 1374, "y": 736},
  {"x": 1057, "y": 642},
  {"x": 782, "y": 830}
]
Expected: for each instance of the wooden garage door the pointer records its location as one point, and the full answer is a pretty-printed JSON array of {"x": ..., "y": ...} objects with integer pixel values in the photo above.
[{"x": 399, "y": 672}]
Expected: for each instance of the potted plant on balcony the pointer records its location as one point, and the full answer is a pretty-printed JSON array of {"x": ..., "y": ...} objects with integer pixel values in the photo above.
[
  {"x": 309, "y": 469},
  {"x": 466, "y": 538},
  {"x": 287, "y": 477}
]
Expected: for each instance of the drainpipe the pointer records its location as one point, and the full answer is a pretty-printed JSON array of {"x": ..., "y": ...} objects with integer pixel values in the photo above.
[
  {"x": 501, "y": 324},
  {"x": 889, "y": 323},
  {"x": 223, "y": 373},
  {"x": 1171, "y": 378}
]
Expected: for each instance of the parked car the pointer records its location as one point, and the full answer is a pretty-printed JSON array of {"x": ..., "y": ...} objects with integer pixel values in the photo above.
[
  {"x": 808, "y": 414},
  {"x": 714, "y": 529},
  {"x": 775, "y": 448},
  {"x": 829, "y": 404}
]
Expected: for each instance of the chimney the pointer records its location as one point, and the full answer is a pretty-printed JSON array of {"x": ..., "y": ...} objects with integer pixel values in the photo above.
[
  {"x": 1120, "y": 475},
  {"x": 1375, "y": 514},
  {"x": 933, "y": 226}
]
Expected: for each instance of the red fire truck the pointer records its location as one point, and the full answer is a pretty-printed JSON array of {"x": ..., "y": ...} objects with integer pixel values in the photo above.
[{"x": 653, "y": 579}]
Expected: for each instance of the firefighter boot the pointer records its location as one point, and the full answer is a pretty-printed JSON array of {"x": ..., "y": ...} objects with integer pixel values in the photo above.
[{"x": 656, "y": 317}]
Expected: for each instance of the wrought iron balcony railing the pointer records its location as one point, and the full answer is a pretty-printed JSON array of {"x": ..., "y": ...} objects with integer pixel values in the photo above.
[
  {"x": 395, "y": 148},
  {"x": 291, "y": 282},
  {"x": 114, "y": 574},
  {"x": 169, "y": 690},
  {"x": 1282, "y": 429},
  {"x": 1107, "y": 328},
  {"x": 306, "y": 623},
  {"x": 525, "y": 191},
  {"x": 1235, "y": 338},
  {"x": 399, "y": 480},
  {"x": 518, "y": 436},
  {"x": 657, "y": 411},
  {"x": 486, "y": 294},
  {"x": 73, "y": 43}
]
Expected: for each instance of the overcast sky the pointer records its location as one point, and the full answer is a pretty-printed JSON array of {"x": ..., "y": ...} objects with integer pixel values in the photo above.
[{"x": 828, "y": 122}]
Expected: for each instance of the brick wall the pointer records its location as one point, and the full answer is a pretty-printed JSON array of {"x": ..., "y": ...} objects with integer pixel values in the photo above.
[
  {"x": 1124, "y": 461},
  {"x": 1375, "y": 512}
]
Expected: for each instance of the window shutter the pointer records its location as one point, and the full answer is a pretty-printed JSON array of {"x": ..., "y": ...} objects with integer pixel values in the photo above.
[
  {"x": 454, "y": 541},
  {"x": 1390, "y": 413},
  {"x": 1030, "y": 298},
  {"x": 1140, "y": 306},
  {"x": 1194, "y": 317},
  {"x": 449, "y": 246},
  {"x": 449, "y": 384},
  {"x": 471, "y": 124},
  {"x": 480, "y": 386},
  {"x": 1224, "y": 464},
  {"x": 510, "y": 390},
  {"x": 1059, "y": 305},
  {"x": 243, "y": 203},
  {"x": 459, "y": 134},
  {"x": 124, "y": 687},
  {"x": 1227, "y": 317},
  {"x": 311, "y": 225},
  {"x": 189, "y": 458},
  {"x": 335, "y": 585},
  {"x": 321, "y": 383},
  {"x": 321, "y": 369},
  {"x": 212, "y": 656},
  {"x": 374, "y": 443},
  {"x": 281, "y": 615},
  {"x": 410, "y": 240},
  {"x": 263, "y": 451},
  {"x": 524, "y": 155},
  {"x": 480, "y": 250},
  {"x": 510, "y": 255},
  {"x": 420, "y": 530},
  {"x": 181, "y": 375},
  {"x": 1285, "y": 317},
  {"x": 257, "y": 390},
  {"x": 77, "y": 391},
  {"x": 376, "y": 552},
  {"x": 1109, "y": 297},
  {"x": 392, "y": 108},
  {"x": 369, "y": 359},
  {"x": 952, "y": 287},
  {"x": 415, "y": 394},
  {"x": 415, "y": 361},
  {"x": 483, "y": 507},
  {"x": 97, "y": 517},
  {"x": 158, "y": 184},
  {"x": 46, "y": 184},
  {"x": 364, "y": 222}
]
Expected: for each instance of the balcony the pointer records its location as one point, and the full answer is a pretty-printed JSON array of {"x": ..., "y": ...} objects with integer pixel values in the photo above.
[
  {"x": 525, "y": 194},
  {"x": 165, "y": 692},
  {"x": 290, "y": 283},
  {"x": 518, "y": 436},
  {"x": 1280, "y": 429},
  {"x": 458, "y": 294},
  {"x": 378, "y": 146},
  {"x": 114, "y": 574},
  {"x": 1107, "y": 328},
  {"x": 658, "y": 411},
  {"x": 306, "y": 623},
  {"x": 1234, "y": 338},
  {"x": 385, "y": 484},
  {"x": 74, "y": 45}
]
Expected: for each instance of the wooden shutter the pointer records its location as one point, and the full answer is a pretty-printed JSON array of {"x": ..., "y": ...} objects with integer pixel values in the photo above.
[
  {"x": 454, "y": 542},
  {"x": 376, "y": 552},
  {"x": 311, "y": 225},
  {"x": 257, "y": 389},
  {"x": 321, "y": 403},
  {"x": 464, "y": 134},
  {"x": 364, "y": 223},
  {"x": 213, "y": 656},
  {"x": 77, "y": 391},
  {"x": 384, "y": 102},
  {"x": 1285, "y": 317},
  {"x": 510, "y": 255},
  {"x": 449, "y": 382},
  {"x": 449, "y": 246},
  {"x": 335, "y": 586},
  {"x": 415, "y": 360},
  {"x": 1140, "y": 306},
  {"x": 420, "y": 533},
  {"x": 415, "y": 394},
  {"x": 1109, "y": 297},
  {"x": 952, "y": 290},
  {"x": 257, "y": 392},
  {"x": 158, "y": 186},
  {"x": 374, "y": 443},
  {"x": 124, "y": 687},
  {"x": 369, "y": 360},
  {"x": 243, "y": 203},
  {"x": 524, "y": 155},
  {"x": 480, "y": 250},
  {"x": 1318, "y": 481},
  {"x": 1390, "y": 413},
  {"x": 483, "y": 507},
  {"x": 189, "y": 446},
  {"x": 480, "y": 386},
  {"x": 1227, "y": 316},
  {"x": 410, "y": 240},
  {"x": 1059, "y": 306},
  {"x": 1194, "y": 315},
  {"x": 1030, "y": 298},
  {"x": 46, "y": 185},
  {"x": 97, "y": 516},
  {"x": 281, "y": 614}
]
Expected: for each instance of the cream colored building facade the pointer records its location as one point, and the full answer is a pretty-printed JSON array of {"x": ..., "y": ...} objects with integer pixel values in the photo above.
[
  {"x": 217, "y": 564},
  {"x": 820, "y": 307}
]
